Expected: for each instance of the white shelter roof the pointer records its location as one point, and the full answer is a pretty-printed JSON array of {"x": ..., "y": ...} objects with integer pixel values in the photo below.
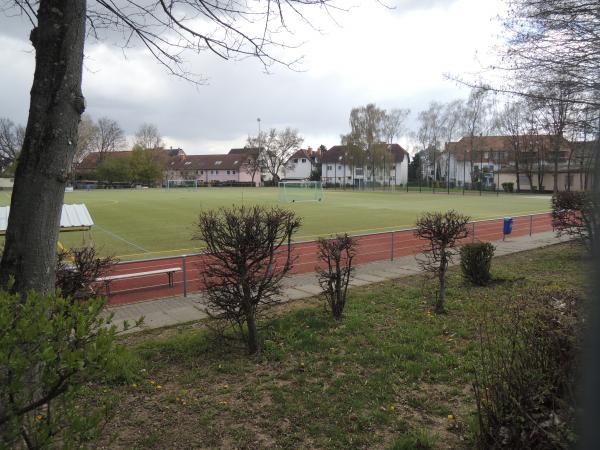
[{"x": 72, "y": 217}]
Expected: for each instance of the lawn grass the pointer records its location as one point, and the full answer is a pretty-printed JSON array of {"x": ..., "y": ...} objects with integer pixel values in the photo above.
[
  {"x": 135, "y": 224},
  {"x": 388, "y": 376}
]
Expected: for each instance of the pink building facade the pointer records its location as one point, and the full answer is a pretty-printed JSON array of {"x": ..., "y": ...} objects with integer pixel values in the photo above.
[{"x": 214, "y": 169}]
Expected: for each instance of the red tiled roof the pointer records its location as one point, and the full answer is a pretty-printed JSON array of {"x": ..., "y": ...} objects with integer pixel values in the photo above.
[
  {"x": 462, "y": 149},
  {"x": 338, "y": 152},
  {"x": 208, "y": 162}
]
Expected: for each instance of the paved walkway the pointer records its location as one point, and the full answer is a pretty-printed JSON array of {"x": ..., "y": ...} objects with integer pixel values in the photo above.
[{"x": 175, "y": 310}]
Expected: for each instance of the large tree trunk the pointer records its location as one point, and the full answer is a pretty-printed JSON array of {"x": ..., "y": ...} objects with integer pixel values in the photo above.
[{"x": 50, "y": 143}]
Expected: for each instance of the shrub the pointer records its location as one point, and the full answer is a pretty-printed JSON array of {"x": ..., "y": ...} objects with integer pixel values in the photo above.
[
  {"x": 475, "y": 262},
  {"x": 244, "y": 268},
  {"x": 443, "y": 232},
  {"x": 50, "y": 348},
  {"x": 337, "y": 254},
  {"x": 527, "y": 372},
  {"x": 508, "y": 186},
  {"x": 78, "y": 269},
  {"x": 573, "y": 215}
]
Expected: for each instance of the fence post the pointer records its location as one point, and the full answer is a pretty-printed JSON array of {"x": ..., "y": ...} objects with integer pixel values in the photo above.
[
  {"x": 530, "y": 224},
  {"x": 392, "y": 252},
  {"x": 183, "y": 265},
  {"x": 473, "y": 233}
]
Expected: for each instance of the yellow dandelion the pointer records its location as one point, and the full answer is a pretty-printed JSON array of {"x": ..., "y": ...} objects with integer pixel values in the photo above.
[
  {"x": 451, "y": 417},
  {"x": 158, "y": 386}
]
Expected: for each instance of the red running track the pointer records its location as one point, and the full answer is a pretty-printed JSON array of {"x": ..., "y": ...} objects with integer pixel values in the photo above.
[{"x": 371, "y": 247}]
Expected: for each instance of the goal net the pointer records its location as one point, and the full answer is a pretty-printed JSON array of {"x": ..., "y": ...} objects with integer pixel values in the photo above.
[
  {"x": 300, "y": 191},
  {"x": 182, "y": 184}
]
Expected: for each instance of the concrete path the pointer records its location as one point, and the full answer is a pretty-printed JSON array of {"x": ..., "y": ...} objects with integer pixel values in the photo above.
[{"x": 175, "y": 310}]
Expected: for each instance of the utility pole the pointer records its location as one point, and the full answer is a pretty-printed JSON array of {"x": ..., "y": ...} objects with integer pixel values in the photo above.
[{"x": 258, "y": 154}]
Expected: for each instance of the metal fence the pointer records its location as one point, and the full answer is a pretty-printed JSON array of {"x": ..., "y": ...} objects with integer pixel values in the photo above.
[{"x": 371, "y": 247}]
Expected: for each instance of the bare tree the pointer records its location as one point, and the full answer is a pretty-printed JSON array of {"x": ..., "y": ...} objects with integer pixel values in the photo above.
[
  {"x": 109, "y": 136},
  {"x": 475, "y": 121},
  {"x": 393, "y": 124},
  {"x": 166, "y": 30},
  {"x": 337, "y": 254},
  {"x": 277, "y": 146},
  {"x": 148, "y": 136},
  {"x": 11, "y": 141},
  {"x": 429, "y": 135},
  {"x": 511, "y": 123},
  {"x": 245, "y": 266},
  {"x": 443, "y": 232},
  {"x": 87, "y": 137},
  {"x": 452, "y": 115},
  {"x": 556, "y": 114}
]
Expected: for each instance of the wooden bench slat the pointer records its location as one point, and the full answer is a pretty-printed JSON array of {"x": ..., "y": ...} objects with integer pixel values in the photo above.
[{"x": 139, "y": 274}]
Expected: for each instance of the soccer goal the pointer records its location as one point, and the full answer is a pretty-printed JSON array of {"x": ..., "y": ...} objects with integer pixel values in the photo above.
[
  {"x": 300, "y": 191},
  {"x": 182, "y": 184}
]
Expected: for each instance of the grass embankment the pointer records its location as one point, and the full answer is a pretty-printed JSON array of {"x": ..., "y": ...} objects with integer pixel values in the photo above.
[{"x": 388, "y": 376}]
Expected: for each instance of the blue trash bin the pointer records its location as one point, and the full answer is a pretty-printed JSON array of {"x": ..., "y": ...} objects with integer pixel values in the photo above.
[{"x": 508, "y": 223}]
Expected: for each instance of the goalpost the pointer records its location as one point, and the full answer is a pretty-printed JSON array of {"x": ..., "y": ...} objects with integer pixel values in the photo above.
[
  {"x": 300, "y": 191},
  {"x": 182, "y": 184}
]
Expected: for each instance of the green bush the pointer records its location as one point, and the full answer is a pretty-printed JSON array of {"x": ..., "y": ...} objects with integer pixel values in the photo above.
[
  {"x": 508, "y": 186},
  {"x": 51, "y": 348},
  {"x": 475, "y": 262}
]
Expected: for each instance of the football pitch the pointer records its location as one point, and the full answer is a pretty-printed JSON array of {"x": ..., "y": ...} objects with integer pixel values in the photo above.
[{"x": 149, "y": 223}]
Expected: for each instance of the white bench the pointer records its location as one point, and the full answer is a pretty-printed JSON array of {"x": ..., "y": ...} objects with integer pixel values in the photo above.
[{"x": 170, "y": 271}]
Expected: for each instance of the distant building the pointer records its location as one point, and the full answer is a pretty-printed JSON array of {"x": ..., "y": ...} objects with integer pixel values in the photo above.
[
  {"x": 384, "y": 165},
  {"x": 300, "y": 165},
  {"x": 530, "y": 159},
  {"x": 211, "y": 169}
]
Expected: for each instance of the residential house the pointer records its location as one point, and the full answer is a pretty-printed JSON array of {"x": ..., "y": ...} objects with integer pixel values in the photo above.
[
  {"x": 300, "y": 165},
  {"x": 384, "y": 165},
  {"x": 527, "y": 161},
  {"x": 212, "y": 169}
]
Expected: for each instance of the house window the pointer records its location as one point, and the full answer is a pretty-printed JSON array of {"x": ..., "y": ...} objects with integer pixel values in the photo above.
[
  {"x": 216, "y": 172},
  {"x": 329, "y": 167},
  {"x": 212, "y": 172},
  {"x": 295, "y": 160},
  {"x": 303, "y": 160},
  {"x": 339, "y": 167},
  {"x": 202, "y": 172},
  {"x": 228, "y": 173},
  {"x": 233, "y": 172}
]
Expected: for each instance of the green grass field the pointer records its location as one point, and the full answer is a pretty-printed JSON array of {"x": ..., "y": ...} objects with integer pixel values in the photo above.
[{"x": 134, "y": 224}]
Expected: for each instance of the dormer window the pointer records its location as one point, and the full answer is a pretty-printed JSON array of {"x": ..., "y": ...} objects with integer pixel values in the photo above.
[
  {"x": 187, "y": 163},
  {"x": 218, "y": 163}
]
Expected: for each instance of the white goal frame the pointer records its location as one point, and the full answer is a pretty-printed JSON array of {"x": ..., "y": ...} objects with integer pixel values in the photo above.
[
  {"x": 186, "y": 184},
  {"x": 300, "y": 191}
]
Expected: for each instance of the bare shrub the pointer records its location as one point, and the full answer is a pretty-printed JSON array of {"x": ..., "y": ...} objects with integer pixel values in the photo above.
[
  {"x": 443, "y": 232},
  {"x": 527, "y": 371},
  {"x": 244, "y": 270},
  {"x": 573, "y": 215},
  {"x": 337, "y": 254},
  {"x": 77, "y": 270}
]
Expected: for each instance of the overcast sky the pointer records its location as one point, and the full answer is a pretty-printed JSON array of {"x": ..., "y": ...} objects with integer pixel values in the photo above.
[{"x": 394, "y": 58}]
